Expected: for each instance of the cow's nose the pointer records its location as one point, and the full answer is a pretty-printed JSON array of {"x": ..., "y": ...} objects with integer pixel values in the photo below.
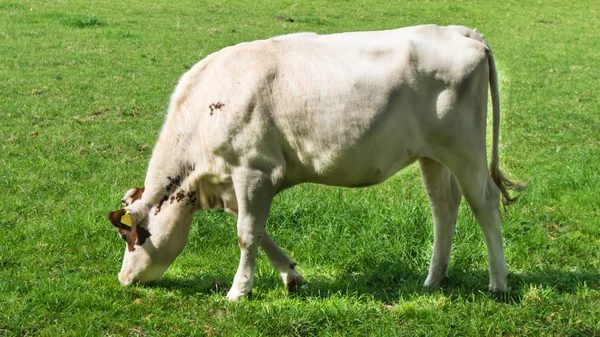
[{"x": 125, "y": 278}]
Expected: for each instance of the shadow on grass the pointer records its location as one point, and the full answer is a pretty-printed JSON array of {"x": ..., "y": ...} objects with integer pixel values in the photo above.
[
  {"x": 204, "y": 284},
  {"x": 464, "y": 285}
]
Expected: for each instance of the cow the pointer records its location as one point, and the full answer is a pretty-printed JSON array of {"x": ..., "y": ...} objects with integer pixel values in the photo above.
[{"x": 348, "y": 109}]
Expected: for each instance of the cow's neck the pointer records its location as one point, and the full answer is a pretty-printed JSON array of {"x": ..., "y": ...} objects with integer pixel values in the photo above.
[{"x": 171, "y": 173}]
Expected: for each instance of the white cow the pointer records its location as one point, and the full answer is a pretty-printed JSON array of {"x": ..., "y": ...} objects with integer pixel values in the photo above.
[{"x": 346, "y": 109}]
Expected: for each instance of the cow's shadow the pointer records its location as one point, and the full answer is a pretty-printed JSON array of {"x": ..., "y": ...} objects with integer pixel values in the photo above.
[
  {"x": 203, "y": 284},
  {"x": 388, "y": 290}
]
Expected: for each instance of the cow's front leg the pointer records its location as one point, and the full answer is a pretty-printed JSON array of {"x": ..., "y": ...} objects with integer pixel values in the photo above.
[
  {"x": 282, "y": 263},
  {"x": 254, "y": 192}
]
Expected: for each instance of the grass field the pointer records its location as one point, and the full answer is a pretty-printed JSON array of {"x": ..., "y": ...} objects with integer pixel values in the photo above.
[{"x": 84, "y": 87}]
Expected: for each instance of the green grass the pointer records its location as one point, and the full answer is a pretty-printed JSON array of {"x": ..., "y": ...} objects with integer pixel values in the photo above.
[{"x": 83, "y": 92}]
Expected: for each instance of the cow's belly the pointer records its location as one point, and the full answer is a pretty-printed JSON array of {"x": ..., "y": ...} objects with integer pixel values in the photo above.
[
  {"x": 362, "y": 174},
  {"x": 365, "y": 161}
]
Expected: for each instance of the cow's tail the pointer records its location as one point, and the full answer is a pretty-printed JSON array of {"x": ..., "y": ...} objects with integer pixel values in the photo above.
[{"x": 503, "y": 183}]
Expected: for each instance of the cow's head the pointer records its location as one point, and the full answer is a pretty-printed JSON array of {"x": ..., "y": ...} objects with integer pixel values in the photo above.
[
  {"x": 156, "y": 232},
  {"x": 154, "y": 235}
]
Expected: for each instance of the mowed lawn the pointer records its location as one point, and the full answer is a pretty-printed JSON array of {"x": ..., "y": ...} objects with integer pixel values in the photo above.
[{"x": 84, "y": 87}]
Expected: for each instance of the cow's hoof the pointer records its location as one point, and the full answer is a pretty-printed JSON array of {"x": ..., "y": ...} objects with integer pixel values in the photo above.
[
  {"x": 235, "y": 295},
  {"x": 499, "y": 285},
  {"x": 434, "y": 283},
  {"x": 294, "y": 282},
  {"x": 291, "y": 279},
  {"x": 503, "y": 289}
]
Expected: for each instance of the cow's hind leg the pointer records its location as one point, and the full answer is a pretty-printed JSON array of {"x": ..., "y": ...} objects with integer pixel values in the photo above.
[
  {"x": 282, "y": 263},
  {"x": 254, "y": 192},
  {"x": 483, "y": 196},
  {"x": 444, "y": 199}
]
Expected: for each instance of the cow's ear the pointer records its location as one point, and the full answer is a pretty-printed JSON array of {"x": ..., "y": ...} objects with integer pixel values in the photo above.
[
  {"x": 120, "y": 219},
  {"x": 133, "y": 233},
  {"x": 125, "y": 231}
]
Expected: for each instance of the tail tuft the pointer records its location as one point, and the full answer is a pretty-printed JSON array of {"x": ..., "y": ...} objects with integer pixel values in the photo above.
[{"x": 505, "y": 184}]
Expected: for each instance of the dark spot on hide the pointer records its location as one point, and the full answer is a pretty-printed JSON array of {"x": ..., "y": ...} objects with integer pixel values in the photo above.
[
  {"x": 191, "y": 169},
  {"x": 126, "y": 235},
  {"x": 215, "y": 106},
  {"x": 191, "y": 198},
  {"x": 138, "y": 194},
  {"x": 173, "y": 182},
  {"x": 142, "y": 235},
  {"x": 160, "y": 205},
  {"x": 136, "y": 236},
  {"x": 180, "y": 195}
]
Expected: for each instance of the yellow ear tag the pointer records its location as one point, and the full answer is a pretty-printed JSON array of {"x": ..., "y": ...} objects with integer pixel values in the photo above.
[{"x": 126, "y": 220}]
